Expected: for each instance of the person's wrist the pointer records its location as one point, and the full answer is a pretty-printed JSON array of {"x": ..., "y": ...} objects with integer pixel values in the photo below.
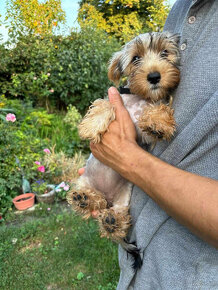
[{"x": 129, "y": 150}]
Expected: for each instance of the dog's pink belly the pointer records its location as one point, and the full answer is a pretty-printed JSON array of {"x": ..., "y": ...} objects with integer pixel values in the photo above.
[{"x": 103, "y": 178}]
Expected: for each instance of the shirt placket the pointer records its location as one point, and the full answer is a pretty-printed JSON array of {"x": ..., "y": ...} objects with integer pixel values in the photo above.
[{"x": 193, "y": 20}]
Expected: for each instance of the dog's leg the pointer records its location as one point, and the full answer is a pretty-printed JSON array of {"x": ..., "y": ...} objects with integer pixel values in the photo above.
[
  {"x": 85, "y": 199},
  {"x": 157, "y": 121},
  {"x": 96, "y": 121},
  {"x": 115, "y": 221}
]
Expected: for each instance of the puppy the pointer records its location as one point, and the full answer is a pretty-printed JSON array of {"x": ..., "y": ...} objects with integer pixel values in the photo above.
[{"x": 151, "y": 64}]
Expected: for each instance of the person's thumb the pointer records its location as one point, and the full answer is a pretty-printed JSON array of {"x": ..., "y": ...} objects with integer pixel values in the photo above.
[{"x": 115, "y": 98}]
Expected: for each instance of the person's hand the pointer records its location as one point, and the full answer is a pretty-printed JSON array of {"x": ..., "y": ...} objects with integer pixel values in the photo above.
[
  {"x": 119, "y": 141},
  {"x": 81, "y": 171},
  {"x": 95, "y": 213}
]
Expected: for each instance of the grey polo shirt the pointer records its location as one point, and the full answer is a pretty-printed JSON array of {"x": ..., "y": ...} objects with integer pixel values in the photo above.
[{"x": 173, "y": 257}]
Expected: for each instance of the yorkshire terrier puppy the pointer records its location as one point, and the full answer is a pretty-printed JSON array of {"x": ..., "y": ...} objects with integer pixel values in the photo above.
[{"x": 151, "y": 64}]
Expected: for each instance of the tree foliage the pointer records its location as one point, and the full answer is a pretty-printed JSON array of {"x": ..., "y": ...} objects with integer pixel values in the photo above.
[
  {"x": 55, "y": 71},
  {"x": 34, "y": 17},
  {"x": 123, "y": 18},
  {"x": 158, "y": 12}
]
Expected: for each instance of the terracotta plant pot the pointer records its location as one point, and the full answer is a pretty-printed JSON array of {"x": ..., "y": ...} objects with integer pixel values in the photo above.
[
  {"x": 24, "y": 201},
  {"x": 47, "y": 197}
]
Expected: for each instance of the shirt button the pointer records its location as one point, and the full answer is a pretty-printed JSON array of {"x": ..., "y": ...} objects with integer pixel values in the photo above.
[
  {"x": 183, "y": 46},
  {"x": 191, "y": 19}
]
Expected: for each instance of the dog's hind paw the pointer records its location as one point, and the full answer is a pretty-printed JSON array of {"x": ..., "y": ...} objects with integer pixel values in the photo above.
[
  {"x": 114, "y": 225},
  {"x": 86, "y": 200}
]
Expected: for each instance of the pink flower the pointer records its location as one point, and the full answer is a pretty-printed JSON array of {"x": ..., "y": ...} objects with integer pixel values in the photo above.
[
  {"x": 37, "y": 162},
  {"x": 51, "y": 91},
  {"x": 48, "y": 208},
  {"x": 66, "y": 187},
  {"x": 11, "y": 118},
  {"x": 58, "y": 190},
  {"x": 46, "y": 150},
  {"x": 62, "y": 184},
  {"x": 41, "y": 168}
]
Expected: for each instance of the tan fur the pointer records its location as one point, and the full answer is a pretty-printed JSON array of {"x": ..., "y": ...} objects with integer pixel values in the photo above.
[
  {"x": 119, "y": 229},
  {"x": 94, "y": 200},
  {"x": 158, "y": 118},
  {"x": 114, "y": 73},
  {"x": 149, "y": 50},
  {"x": 96, "y": 121}
]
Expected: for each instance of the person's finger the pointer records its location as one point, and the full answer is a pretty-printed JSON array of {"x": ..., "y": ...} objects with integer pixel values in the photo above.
[
  {"x": 95, "y": 214},
  {"x": 114, "y": 97},
  {"x": 81, "y": 171},
  {"x": 117, "y": 102}
]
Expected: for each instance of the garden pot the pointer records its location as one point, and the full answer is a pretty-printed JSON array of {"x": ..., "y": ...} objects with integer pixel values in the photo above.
[
  {"x": 24, "y": 201},
  {"x": 47, "y": 197}
]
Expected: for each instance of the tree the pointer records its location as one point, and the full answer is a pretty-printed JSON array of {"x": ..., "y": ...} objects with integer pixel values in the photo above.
[
  {"x": 123, "y": 18},
  {"x": 33, "y": 17},
  {"x": 158, "y": 12}
]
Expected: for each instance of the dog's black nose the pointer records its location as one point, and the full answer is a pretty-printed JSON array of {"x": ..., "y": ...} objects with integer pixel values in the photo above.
[{"x": 154, "y": 77}]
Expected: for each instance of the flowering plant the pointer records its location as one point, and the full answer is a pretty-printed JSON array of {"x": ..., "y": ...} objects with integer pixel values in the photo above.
[
  {"x": 47, "y": 151},
  {"x": 62, "y": 190},
  {"x": 10, "y": 118},
  {"x": 43, "y": 173},
  {"x": 40, "y": 186}
]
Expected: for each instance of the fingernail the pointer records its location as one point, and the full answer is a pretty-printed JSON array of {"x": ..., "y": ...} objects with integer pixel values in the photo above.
[
  {"x": 113, "y": 90},
  {"x": 112, "y": 93},
  {"x": 95, "y": 214}
]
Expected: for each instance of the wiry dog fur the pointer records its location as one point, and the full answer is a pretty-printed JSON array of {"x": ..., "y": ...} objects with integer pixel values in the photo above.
[{"x": 150, "y": 62}]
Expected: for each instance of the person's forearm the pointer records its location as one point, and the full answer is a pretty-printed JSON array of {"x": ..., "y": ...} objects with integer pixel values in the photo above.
[{"x": 191, "y": 199}]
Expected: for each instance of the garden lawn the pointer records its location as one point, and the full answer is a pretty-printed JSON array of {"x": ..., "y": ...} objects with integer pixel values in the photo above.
[{"x": 55, "y": 249}]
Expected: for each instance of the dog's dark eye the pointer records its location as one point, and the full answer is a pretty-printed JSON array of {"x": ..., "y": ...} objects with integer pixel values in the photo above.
[
  {"x": 164, "y": 53},
  {"x": 136, "y": 58}
]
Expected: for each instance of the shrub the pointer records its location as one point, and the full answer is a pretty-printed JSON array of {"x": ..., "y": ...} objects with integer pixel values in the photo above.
[
  {"x": 59, "y": 129},
  {"x": 56, "y": 71},
  {"x": 34, "y": 130},
  {"x": 10, "y": 178},
  {"x": 72, "y": 117},
  {"x": 14, "y": 143}
]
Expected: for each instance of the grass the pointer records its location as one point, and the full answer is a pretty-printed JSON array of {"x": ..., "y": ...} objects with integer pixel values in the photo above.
[{"x": 55, "y": 249}]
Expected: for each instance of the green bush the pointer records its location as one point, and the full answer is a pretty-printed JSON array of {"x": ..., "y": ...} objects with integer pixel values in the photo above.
[
  {"x": 10, "y": 178},
  {"x": 59, "y": 129},
  {"x": 15, "y": 143},
  {"x": 33, "y": 130},
  {"x": 56, "y": 71}
]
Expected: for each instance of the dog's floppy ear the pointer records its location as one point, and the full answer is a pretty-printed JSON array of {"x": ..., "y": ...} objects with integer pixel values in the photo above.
[{"x": 115, "y": 69}]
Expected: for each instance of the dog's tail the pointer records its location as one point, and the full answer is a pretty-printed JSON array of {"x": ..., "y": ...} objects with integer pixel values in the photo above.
[{"x": 134, "y": 253}]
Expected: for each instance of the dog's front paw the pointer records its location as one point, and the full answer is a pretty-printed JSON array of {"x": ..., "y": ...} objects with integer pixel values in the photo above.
[
  {"x": 86, "y": 200},
  {"x": 114, "y": 224},
  {"x": 96, "y": 121},
  {"x": 157, "y": 121}
]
